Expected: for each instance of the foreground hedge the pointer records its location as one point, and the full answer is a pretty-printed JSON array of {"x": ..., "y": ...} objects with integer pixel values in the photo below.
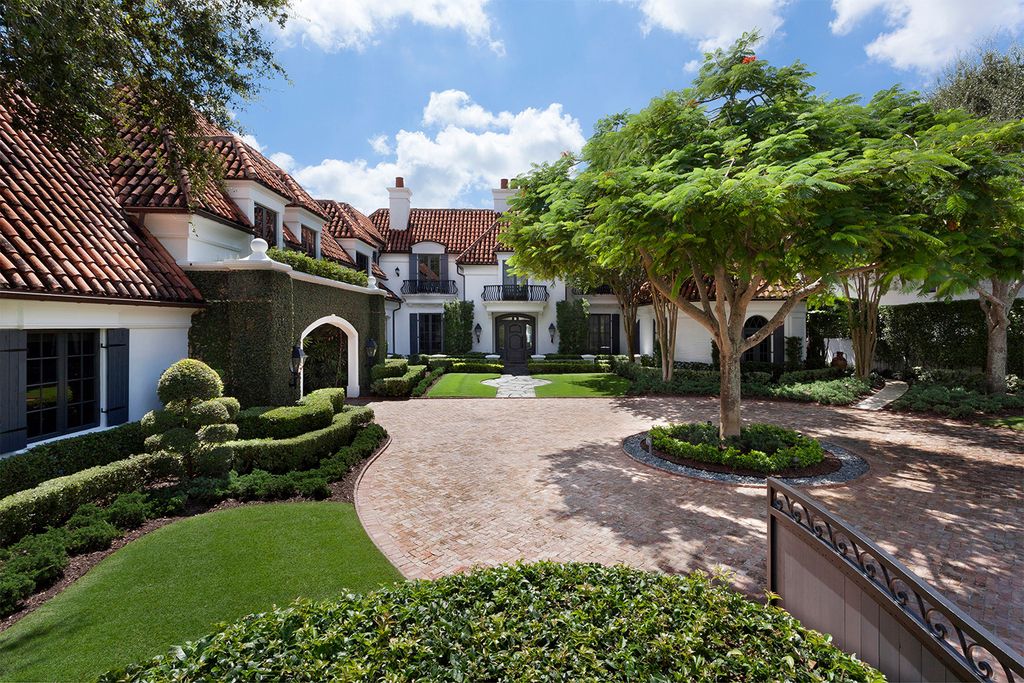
[
  {"x": 399, "y": 386},
  {"x": 761, "y": 447},
  {"x": 539, "y": 622},
  {"x": 546, "y": 367},
  {"x": 320, "y": 267},
  {"x": 54, "y": 501},
  {"x": 314, "y": 411},
  {"x": 67, "y": 456},
  {"x": 299, "y": 452},
  {"x": 956, "y": 402}
]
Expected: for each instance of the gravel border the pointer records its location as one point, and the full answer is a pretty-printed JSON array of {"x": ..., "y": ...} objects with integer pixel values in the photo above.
[{"x": 853, "y": 467}]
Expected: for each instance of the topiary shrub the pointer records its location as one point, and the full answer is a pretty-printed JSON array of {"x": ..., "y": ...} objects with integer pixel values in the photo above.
[
  {"x": 392, "y": 367},
  {"x": 189, "y": 380},
  {"x": 521, "y": 622},
  {"x": 399, "y": 386}
]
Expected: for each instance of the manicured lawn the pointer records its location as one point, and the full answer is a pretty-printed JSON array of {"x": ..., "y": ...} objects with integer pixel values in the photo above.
[
  {"x": 1010, "y": 422},
  {"x": 176, "y": 583},
  {"x": 460, "y": 384},
  {"x": 582, "y": 384}
]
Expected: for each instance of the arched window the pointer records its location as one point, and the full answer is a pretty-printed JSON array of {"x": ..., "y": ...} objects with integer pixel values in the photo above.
[{"x": 762, "y": 353}]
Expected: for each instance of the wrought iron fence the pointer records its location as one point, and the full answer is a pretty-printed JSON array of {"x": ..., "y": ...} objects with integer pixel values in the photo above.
[
  {"x": 515, "y": 293},
  {"x": 429, "y": 287}
]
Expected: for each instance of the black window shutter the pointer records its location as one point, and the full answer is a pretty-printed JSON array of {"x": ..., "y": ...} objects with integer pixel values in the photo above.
[
  {"x": 779, "y": 345},
  {"x": 414, "y": 336},
  {"x": 117, "y": 376},
  {"x": 414, "y": 270},
  {"x": 443, "y": 275},
  {"x": 13, "y": 378},
  {"x": 616, "y": 332},
  {"x": 636, "y": 337}
]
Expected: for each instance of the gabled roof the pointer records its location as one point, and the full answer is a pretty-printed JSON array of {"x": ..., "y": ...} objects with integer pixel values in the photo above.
[
  {"x": 345, "y": 221},
  {"x": 330, "y": 249},
  {"x": 456, "y": 229},
  {"x": 63, "y": 232},
  {"x": 484, "y": 250}
]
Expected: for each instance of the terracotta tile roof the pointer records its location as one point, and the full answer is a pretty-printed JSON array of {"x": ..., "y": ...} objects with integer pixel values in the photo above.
[
  {"x": 289, "y": 237},
  {"x": 345, "y": 221},
  {"x": 484, "y": 250},
  {"x": 456, "y": 229},
  {"x": 330, "y": 249},
  {"x": 391, "y": 296},
  {"x": 378, "y": 272},
  {"x": 62, "y": 231},
  {"x": 141, "y": 183}
]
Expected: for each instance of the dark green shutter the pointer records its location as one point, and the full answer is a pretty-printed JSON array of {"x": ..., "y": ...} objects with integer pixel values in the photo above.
[
  {"x": 13, "y": 378},
  {"x": 616, "y": 334},
  {"x": 779, "y": 345},
  {"x": 414, "y": 271},
  {"x": 414, "y": 337},
  {"x": 444, "y": 272},
  {"x": 117, "y": 376}
]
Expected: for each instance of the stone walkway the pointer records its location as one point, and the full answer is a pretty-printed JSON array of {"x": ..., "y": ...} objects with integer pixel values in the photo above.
[
  {"x": 890, "y": 392},
  {"x": 516, "y": 386},
  {"x": 469, "y": 482}
]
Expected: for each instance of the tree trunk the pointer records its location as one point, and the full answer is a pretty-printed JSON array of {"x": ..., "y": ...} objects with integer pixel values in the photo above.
[
  {"x": 729, "y": 395},
  {"x": 996, "y": 306},
  {"x": 863, "y": 295},
  {"x": 666, "y": 315}
]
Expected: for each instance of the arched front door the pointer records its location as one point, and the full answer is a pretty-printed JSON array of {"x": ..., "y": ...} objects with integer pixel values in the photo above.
[{"x": 515, "y": 337}]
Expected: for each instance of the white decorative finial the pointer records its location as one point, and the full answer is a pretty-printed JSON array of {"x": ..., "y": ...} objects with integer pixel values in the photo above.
[
  {"x": 259, "y": 247},
  {"x": 371, "y": 282}
]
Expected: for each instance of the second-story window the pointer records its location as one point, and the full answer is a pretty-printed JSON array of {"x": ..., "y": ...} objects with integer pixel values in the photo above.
[
  {"x": 265, "y": 224},
  {"x": 308, "y": 241},
  {"x": 363, "y": 262},
  {"x": 428, "y": 267}
]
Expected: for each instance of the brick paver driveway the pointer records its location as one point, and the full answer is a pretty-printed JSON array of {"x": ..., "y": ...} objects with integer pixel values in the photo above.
[{"x": 484, "y": 481}]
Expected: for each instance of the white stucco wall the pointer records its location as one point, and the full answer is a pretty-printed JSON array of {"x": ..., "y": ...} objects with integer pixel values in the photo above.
[
  {"x": 158, "y": 337},
  {"x": 191, "y": 238}
]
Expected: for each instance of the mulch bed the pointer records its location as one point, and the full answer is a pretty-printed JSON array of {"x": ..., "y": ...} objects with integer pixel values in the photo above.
[
  {"x": 342, "y": 491},
  {"x": 828, "y": 465}
]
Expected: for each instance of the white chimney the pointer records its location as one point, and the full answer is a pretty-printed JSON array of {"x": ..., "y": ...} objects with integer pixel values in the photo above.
[
  {"x": 399, "y": 198},
  {"x": 501, "y": 195}
]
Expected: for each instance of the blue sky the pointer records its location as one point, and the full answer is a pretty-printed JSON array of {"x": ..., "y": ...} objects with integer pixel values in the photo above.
[{"x": 454, "y": 94}]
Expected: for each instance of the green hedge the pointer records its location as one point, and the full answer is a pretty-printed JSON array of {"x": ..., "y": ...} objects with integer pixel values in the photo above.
[
  {"x": 544, "y": 367},
  {"x": 522, "y": 622},
  {"x": 761, "y": 447},
  {"x": 573, "y": 321},
  {"x": 67, "y": 456},
  {"x": 836, "y": 392},
  {"x": 399, "y": 386},
  {"x": 314, "y": 411},
  {"x": 956, "y": 401},
  {"x": 392, "y": 367},
  {"x": 814, "y": 375},
  {"x": 425, "y": 383},
  {"x": 327, "y": 269},
  {"x": 449, "y": 364},
  {"x": 298, "y": 452},
  {"x": 458, "y": 327},
  {"x": 53, "y": 501}
]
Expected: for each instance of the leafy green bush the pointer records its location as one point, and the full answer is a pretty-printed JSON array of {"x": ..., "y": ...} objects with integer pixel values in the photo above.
[
  {"x": 544, "y": 367},
  {"x": 128, "y": 511},
  {"x": 837, "y": 392},
  {"x": 189, "y": 380},
  {"x": 971, "y": 380},
  {"x": 955, "y": 402},
  {"x": 814, "y": 375},
  {"x": 522, "y": 622},
  {"x": 93, "y": 537},
  {"x": 458, "y": 326},
  {"x": 761, "y": 447},
  {"x": 572, "y": 318},
  {"x": 313, "y": 411},
  {"x": 230, "y": 404},
  {"x": 67, "y": 456},
  {"x": 299, "y": 452},
  {"x": 425, "y": 383},
  {"x": 54, "y": 501},
  {"x": 391, "y": 367},
  {"x": 399, "y": 386},
  {"x": 319, "y": 267}
]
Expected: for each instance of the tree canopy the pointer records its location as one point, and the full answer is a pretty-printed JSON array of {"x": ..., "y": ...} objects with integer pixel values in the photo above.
[{"x": 87, "y": 65}]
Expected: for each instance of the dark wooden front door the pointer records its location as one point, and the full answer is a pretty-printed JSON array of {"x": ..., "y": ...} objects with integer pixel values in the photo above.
[{"x": 515, "y": 342}]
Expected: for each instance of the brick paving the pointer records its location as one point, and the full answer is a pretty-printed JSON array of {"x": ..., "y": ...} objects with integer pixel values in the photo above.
[{"x": 468, "y": 482}]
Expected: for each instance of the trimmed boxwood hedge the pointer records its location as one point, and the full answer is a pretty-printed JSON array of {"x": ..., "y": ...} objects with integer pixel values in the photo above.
[
  {"x": 391, "y": 367},
  {"x": 313, "y": 412},
  {"x": 545, "y": 367},
  {"x": 399, "y": 386},
  {"x": 67, "y": 456},
  {"x": 761, "y": 447},
  {"x": 425, "y": 383},
  {"x": 54, "y": 501},
  {"x": 522, "y": 622},
  {"x": 320, "y": 267},
  {"x": 298, "y": 452}
]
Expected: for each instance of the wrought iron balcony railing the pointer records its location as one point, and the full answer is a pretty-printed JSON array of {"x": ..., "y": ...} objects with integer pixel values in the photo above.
[
  {"x": 429, "y": 287},
  {"x": 515, "y": 293},
  {"x": 601, "y": 289}
]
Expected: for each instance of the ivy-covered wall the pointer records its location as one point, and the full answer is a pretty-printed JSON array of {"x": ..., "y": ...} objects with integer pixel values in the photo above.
[{"x": 253, "y": 319}]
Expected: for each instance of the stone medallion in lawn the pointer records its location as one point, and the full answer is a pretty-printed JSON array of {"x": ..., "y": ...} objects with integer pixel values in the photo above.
[
  {"x": 850, "y": 467},
  {"x": 516, "y": 386}
]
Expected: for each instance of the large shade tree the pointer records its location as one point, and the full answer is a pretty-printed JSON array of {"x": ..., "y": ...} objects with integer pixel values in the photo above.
[
  {"x": 983, "y": 210},
  {"x": 748, "y": 184},
  {"x": 82, "y": 67}
]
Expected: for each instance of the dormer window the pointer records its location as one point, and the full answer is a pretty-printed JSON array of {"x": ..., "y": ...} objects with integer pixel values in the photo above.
[
  {"x": 309, "y": 241},
  {"x": 362, "y": 261},
  {"x": 265, "y": 224}
]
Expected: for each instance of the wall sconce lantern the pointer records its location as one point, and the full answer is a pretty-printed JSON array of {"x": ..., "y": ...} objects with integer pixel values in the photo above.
[
  {"x": 371, "y": 349},
  {"x": 298, "y": 360},
  {"x": 552, "y": 330},
  {"x": 398, "y": 272},
  {"x": 477, "y": 330}
]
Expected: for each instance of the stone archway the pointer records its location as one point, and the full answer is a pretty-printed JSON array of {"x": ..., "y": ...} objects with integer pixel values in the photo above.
[{"x": 352, "y": 390}]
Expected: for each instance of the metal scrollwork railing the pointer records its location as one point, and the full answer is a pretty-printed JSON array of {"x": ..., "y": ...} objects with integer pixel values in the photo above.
[{"x": 971, "y": 648}]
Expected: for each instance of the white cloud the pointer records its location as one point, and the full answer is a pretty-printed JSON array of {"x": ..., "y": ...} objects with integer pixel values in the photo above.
[
  {"x": 284, "y": 160},
  {"x": 251, "y": 140},
  {"x": 692, "y": 66},
  {"x": 355, "y": 24},
  {"x": 380, "y": 144},
  {"x": 464, "y": 149},
  {"x": 714, "y": 23},
  {"x": 927, "y": 34}
]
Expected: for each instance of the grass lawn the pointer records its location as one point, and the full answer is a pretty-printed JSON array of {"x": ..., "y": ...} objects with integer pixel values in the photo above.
[
  {"x": 582, "y": 384},
  {"x": 1010, "y": 422},
  {"x": 459, "y": 384},
  {"x": 176, "y": 583}
]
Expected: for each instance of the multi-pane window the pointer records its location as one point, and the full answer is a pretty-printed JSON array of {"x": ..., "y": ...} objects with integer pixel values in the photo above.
[
  {"x": 265, "y": 224},
  {"x": 362, "y": 262},
  {"x": 431, "y": 332},
  {"x": 308, "y": 241},
  {"x": 428, "y": 267},
  {"x": 762, "y": 353},
  {"x": 62, "y": 391},
  {"x": 510, "y": 278},
  {"x": 600, "y": 333}
]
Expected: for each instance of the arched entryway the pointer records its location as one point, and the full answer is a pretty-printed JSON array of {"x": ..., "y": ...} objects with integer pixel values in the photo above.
[
  {"x": 352, "y": 388},
  {"x": 515, "y": 338},
  {"x": 762, "y": 353}
]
